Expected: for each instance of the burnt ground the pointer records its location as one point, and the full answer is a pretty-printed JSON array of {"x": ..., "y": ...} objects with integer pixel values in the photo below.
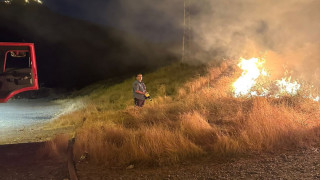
[
  {"x": 22, "y": 161},
  {"x": 299, "y": 164}
]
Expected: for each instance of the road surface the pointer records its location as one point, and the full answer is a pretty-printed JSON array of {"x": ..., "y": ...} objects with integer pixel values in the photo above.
[{"x": 21, "y": 119}]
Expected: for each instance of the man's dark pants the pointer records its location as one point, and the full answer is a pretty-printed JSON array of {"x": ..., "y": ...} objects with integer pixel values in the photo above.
[{"x": 138, "y": 102}]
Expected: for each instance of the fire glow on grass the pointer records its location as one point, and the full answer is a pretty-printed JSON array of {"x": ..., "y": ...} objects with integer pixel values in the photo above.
[{"x": 254, "y": 81}]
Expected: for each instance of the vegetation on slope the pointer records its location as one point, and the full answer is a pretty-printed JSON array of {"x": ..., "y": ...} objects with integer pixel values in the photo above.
[{"x": 193, "y": 114}]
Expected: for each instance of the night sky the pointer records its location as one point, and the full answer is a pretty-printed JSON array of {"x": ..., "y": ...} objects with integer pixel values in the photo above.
[
  {"x": 81, "y": 42},
  {"x": 156, "y": 21},
  {"x": 82, "y": 9},
  {"x": 219, "y": 30}
]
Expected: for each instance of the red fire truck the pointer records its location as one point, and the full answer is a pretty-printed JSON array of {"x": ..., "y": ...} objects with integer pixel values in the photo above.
[{"x": 18, "y": 70}]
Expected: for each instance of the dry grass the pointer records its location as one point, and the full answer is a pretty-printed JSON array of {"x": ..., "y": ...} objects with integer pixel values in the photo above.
[
  {"x": 56, "y": 148},
  {"x": 200, "y": 119},
  {"x": 116, "y": 145}
]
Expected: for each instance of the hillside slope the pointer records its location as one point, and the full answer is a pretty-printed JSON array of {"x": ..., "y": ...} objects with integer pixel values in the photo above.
[{"x": 193, "y": 114}]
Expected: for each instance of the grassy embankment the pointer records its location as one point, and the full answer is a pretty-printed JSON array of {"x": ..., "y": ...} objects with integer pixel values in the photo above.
[{"x": 193, "y": 114}]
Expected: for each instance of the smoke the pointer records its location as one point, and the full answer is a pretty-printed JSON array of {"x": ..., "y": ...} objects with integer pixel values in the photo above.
[
  {"x": 285, "y": 33},
  {"x": 153, "y": 20},
  {"x": 72, "y": 53},
  {"x": 157, "y": 21}
]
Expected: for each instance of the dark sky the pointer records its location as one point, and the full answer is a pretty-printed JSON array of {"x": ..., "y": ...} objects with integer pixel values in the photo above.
[
  {"x": 286, "y": 31},
  {"x": 159, "y": 20},
  {"x": 73, "y": 47},
  {"x": 86, "y": 10}
]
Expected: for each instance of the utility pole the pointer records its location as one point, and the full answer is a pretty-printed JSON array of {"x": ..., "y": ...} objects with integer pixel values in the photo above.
[{"x": 186, "y": 31}]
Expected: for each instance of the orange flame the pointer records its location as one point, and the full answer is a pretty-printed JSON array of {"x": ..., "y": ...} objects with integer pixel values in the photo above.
[
  {"x": 287, "y": 87},
  {"x": 252, "y": 71}
]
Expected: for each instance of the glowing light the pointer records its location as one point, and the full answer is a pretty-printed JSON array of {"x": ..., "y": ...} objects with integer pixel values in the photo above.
[
  {"x": 313, "y": 98},
  {"x": 38, "y": 1},
  {"x": 26, "y": 1},
  {"x": 287, "y": 87},
  {"x": 251, "y": 84},
  {"x": 251, "y": 71}
]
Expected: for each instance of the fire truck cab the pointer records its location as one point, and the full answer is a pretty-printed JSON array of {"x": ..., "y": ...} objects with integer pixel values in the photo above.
[{"x": 18, "y": 70}]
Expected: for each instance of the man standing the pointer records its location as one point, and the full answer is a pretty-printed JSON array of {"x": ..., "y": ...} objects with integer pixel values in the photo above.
[{"x": 139, "y": 90}]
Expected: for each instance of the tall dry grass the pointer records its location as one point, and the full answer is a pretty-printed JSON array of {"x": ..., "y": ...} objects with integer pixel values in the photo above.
[
  {"x": 55, "y": 148},
  {"x": 199, "y": 117},
  {"x": 116, "y": 145}
]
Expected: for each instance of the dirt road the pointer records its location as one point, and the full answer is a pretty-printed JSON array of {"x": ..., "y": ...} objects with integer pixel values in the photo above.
[
  {"x": 22, "y": 120},
  {"x": 300, "y": 164},
  {"x": 22, "y": 161},
  {"x": 22, "y": 138}
]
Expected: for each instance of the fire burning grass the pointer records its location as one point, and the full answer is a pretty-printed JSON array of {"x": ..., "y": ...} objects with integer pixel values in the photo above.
[
  {"x": 256, "y": 81},
  {"x": 205, "y": 117}
]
